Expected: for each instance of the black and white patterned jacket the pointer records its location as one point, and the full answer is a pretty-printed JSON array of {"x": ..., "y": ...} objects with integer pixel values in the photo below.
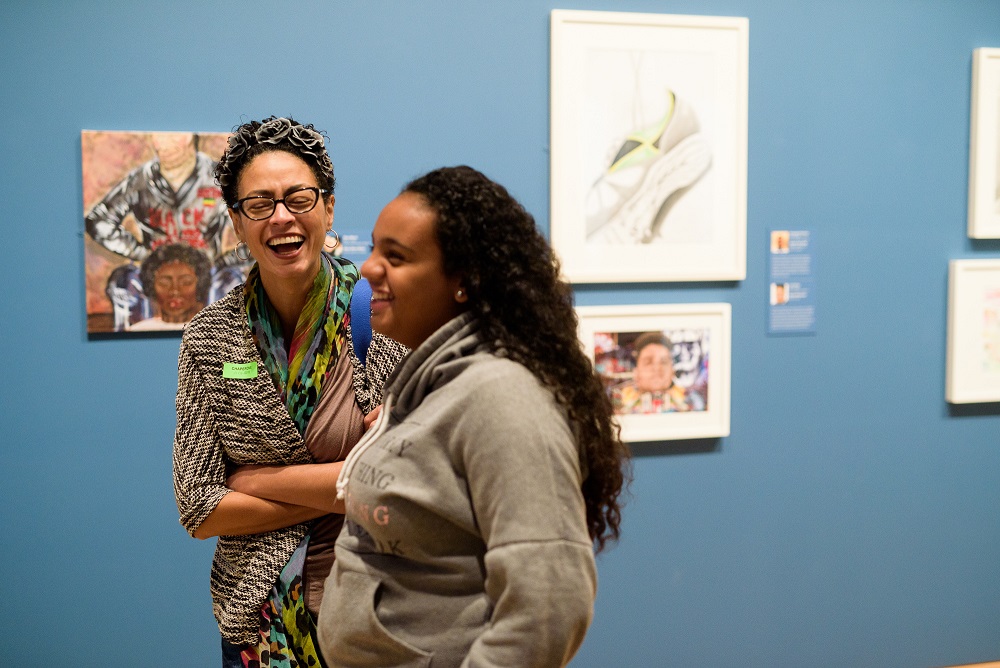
[{"x": 227, "y": 421}]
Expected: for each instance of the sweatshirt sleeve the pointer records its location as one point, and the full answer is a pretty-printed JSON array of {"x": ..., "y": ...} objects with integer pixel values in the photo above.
[
  {"x": 199, "y": 467},
  {"x": 523, "y": 470}
]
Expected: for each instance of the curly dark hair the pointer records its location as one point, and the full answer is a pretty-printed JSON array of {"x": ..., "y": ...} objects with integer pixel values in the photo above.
[
  {"x": 526, "y": 312},
  {"x": 166, "y": 253},
  {"x": 273, "y": 134}
]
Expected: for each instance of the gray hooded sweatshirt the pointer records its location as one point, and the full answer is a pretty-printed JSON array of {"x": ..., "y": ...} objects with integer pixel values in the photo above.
[{"x": 466, "y": 541}]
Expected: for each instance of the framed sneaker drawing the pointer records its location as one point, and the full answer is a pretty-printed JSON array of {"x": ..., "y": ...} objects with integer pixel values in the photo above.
[
  {"x": 649, "y": 146},
  {"x": 664, "y": 367},
  {"x": 984, "y": 146}
]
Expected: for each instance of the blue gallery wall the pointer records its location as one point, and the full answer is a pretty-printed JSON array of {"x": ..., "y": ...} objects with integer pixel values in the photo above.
[{"x": 850, "y": 518}]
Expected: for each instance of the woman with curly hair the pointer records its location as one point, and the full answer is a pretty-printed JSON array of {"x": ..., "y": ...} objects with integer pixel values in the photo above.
[
  {"x": 271, "y": 397},
  {"x": 475, "y": 503}
]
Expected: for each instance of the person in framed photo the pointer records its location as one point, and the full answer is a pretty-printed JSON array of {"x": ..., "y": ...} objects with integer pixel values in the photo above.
[
  {"x": 476, "y": 502},
  {"x": 654, "y": 387}
]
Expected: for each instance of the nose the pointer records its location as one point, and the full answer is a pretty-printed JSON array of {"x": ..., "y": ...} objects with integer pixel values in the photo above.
[
  {"x": 370, "y": 269},
  {"x": 281, "y": 214}
]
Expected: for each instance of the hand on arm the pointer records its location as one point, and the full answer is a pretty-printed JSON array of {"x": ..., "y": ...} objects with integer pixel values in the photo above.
[{"x": 372, "y": 417}]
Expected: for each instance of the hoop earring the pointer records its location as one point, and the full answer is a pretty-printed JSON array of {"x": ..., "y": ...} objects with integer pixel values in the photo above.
[
  {"x": 240, "y": 249},
  {"x": 332, "y": 242}
]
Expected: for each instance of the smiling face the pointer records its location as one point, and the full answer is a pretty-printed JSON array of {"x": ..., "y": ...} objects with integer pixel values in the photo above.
[
  {"x": 287, "y": 245},
  {"x": 176, "y": 290},
  {"x": 411, "y": 295},
  {"x": 654, "y": 369}
]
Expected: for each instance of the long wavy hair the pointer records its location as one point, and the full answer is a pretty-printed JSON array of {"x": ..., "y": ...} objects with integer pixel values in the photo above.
[{"x": 526, "y": 313}]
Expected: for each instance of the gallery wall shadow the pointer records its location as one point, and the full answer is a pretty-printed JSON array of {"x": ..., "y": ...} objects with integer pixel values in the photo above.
[{"x": 691, "y": 446}]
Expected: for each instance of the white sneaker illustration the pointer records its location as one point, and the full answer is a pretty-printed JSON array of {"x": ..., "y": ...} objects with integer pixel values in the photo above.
[{"x": 649, "y": 166}]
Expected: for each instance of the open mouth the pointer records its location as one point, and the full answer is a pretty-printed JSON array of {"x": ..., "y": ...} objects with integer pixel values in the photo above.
[{"x": 286, "y": 244}]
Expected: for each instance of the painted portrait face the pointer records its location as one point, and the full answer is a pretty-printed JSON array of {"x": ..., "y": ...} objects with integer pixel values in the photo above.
[
  {"x": 172, "y": 148},
  {"x": 176, "y": 289},
  {"x": 654, "y": 369},
  {"x": 411, "y": 295}
]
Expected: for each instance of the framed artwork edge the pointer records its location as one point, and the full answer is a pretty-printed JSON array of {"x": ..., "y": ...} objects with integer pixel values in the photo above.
[
  {"x": 959, "y": 387},
  {"x": 711, "y": 423},
  {"x": 727, "y": 266},
  {"x": 983, "y": 218}
]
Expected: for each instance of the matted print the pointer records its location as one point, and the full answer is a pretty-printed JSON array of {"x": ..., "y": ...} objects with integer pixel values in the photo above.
[
  {"x": 973, "y": 360},
  {"x": 984, "y": 146},
  {"x": 665, "y": 367},
  {"x": 649, "y": 146},
  {"x": 158, "y": 245}
]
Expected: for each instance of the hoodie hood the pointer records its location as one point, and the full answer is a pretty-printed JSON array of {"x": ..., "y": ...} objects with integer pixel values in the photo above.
[{"x": 433, "y": 364}]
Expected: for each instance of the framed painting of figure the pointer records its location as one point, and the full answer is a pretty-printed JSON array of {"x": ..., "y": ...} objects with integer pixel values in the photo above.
[{"x": 158, "y": 245}]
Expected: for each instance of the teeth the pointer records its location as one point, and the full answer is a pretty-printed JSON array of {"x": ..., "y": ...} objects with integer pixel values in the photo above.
[
  {"x": 380, "y": 296},
  {"x": 290, "y": 239}
]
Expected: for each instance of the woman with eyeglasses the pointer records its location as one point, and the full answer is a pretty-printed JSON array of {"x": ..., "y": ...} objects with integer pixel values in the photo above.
[{"x": 271, "y": 397}]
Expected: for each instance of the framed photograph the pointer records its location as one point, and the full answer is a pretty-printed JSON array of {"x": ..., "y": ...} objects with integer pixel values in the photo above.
[
  {"x": 665, "y": 367},
  {"x": 649, "y": 146},
  {"x": 984, "y": 146},
  {"x": 973, "y": 361},
  {"x": 158, "y": 244}
]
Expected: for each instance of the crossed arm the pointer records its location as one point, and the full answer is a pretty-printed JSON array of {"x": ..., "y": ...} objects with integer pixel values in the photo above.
[
  {"x": 265, "y": 498},
  {"x": 252, "y": 499}
]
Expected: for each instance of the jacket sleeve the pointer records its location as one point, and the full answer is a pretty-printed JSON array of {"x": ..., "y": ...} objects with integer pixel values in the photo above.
[
  {"x": 199, "y": 467},
  {"x": 523, "y": 471},
  {"x": 369, "y": 378}
]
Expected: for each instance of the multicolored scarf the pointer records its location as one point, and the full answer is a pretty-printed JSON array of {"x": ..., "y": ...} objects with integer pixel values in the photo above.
[
  {"x": 287, "y": 630},
  {"x": 298, "y": 372}
]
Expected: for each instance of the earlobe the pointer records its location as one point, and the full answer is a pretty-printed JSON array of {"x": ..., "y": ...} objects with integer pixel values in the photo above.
[{"x": 234, "y": 218}]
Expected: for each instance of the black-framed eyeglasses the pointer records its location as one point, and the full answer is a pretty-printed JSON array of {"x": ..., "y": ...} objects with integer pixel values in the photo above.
[{"x": 261, "y": 207}]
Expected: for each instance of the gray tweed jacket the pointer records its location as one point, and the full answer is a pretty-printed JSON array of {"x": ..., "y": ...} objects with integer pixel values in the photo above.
[{"x": 226, "y": 421}]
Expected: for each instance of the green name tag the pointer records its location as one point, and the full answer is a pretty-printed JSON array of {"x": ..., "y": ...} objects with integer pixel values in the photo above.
[{"x": 233, "y": 370}]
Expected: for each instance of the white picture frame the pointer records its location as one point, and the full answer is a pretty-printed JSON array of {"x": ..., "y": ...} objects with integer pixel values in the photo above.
[
  {"x": 972, "y": 373},
  {"x": 673, "y": 206},
  {"x": 697, "y": 404},
  {"x": 984, "y": 146}
]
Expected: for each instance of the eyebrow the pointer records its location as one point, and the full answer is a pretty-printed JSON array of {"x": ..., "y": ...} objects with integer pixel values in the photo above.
[
  {"x": 392, "y": 241},
  {"x": 264, "y": 192}
]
